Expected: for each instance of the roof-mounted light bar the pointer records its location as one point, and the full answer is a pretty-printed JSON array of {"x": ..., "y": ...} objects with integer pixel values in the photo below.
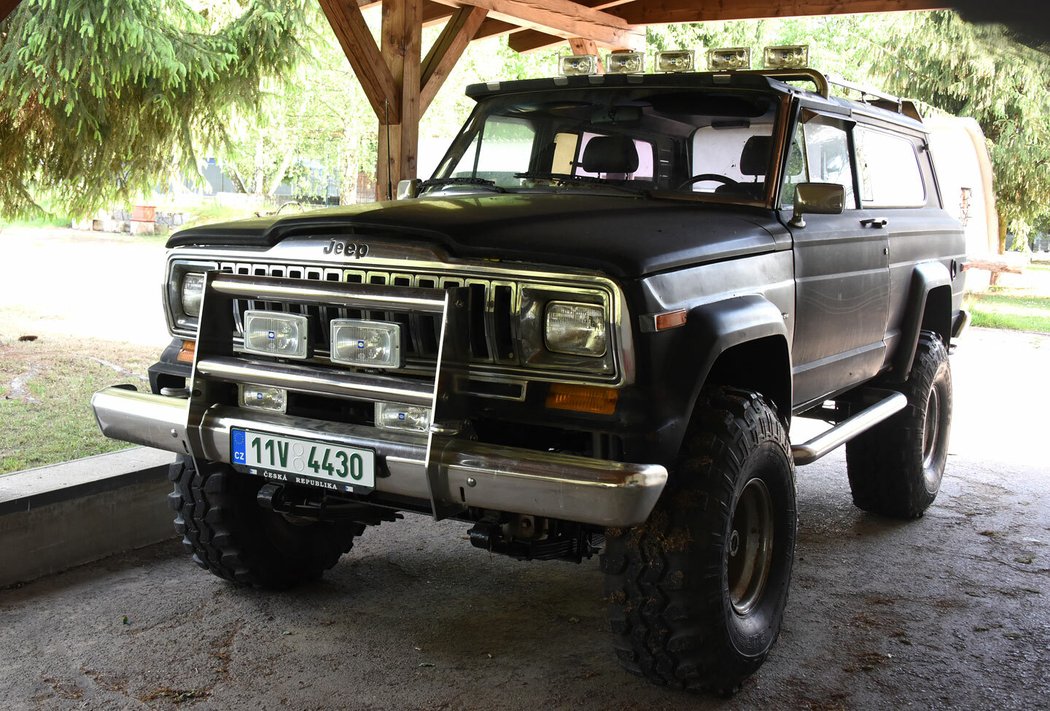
[
  {"x": 788, "y": 56},
  {"x": 729, "y": 58},
  {"x": 625, "y": 63},
  {"x": 578, "y": 65},
  {"x": 678, "y": 60}
]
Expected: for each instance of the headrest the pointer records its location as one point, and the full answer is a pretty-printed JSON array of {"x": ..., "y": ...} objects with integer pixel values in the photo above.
[
  {"x": 754, "y": 159},
  {"x": 610, "y": 154}
]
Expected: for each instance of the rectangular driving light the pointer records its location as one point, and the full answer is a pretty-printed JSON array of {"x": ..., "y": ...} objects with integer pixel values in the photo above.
[
  {"x": 578, "y": 65},
  {"x": 393, "y": 416},
  {"x": 790, "y": 56},
  {"x": 263, "y": 397},
  {"x": 729, "y": 58},
  {"x": 624, "y": 63},
  {"x": 366, "y": 344},
  {"x": 276, "y": 334},
  {"x": 679, "y": 60}
]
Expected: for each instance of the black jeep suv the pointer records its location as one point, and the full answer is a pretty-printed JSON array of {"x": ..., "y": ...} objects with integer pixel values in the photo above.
[{"x": 588, "y": 333}]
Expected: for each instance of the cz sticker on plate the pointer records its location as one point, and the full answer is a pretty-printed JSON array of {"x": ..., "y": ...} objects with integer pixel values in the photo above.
[{"x": 303, "y": 461}]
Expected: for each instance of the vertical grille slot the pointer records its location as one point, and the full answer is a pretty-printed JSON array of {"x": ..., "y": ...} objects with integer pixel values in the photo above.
[
  {"x": 502, "y": 330},
  {"x": 478, "y": 300}
]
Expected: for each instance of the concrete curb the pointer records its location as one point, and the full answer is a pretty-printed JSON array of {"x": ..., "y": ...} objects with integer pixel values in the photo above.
[{"x": 54, "y": 518}]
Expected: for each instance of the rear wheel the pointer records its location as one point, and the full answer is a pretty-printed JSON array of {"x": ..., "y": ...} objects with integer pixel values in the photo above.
[
  {"x": 895, "y": 468},
  {"x": 697, "y": 593},
  {"x": 229, "y": 534}
]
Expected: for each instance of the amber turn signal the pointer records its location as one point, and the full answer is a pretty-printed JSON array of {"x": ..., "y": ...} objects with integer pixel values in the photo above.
[
  {"x": 583, "y": 398},
  {"x": 186, "y": 352}
]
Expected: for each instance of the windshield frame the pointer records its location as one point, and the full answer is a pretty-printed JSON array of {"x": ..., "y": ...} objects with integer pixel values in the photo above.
[{"x": 492, "y": 104}]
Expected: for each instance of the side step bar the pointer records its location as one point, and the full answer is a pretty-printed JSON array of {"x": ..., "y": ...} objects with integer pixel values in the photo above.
[{"x": 849, "y": 428}]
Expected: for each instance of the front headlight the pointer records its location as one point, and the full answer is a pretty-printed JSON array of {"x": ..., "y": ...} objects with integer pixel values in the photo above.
[
  {"x": 184, "y": 294},
  {"x": 192, "y": 292},
  {"x": 576, "y": 329}
]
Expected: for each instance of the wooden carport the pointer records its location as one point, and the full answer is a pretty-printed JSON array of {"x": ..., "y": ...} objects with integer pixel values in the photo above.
[{"x": 400, "y": 83}]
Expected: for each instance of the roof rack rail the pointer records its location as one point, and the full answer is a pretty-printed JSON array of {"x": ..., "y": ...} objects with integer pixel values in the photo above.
[
  {"x": 879, "y": 98},
  {"x": 796, "y": 74}
]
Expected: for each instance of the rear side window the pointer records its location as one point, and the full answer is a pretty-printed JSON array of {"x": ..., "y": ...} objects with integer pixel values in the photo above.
[{"x": 889, "y": 170}]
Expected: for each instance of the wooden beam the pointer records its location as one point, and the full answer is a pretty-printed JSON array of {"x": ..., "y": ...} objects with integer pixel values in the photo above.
[
  {"x": 360, "y": 48},
  {"x": 529, "y": 40},
  {"x": 401, "y": 46},
  {"x": 655, "y": 12},
  {"x": 563, "y": 18},
  {"x": 446, "y": 51},
  {"x": 492, "y": 27}
]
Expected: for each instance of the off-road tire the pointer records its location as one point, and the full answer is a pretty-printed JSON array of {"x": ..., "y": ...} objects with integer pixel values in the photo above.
[
  {"x": 673, "y": 586},
  {"x": 895, "y": 468},
  {"x": 229, "y": 534}
]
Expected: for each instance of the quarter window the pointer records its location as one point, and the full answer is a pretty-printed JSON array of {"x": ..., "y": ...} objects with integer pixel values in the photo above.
[{"x": 819, "y": 153}]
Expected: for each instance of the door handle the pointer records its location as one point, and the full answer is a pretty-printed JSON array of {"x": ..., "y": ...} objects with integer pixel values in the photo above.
[{"x": 878, "y": 222}]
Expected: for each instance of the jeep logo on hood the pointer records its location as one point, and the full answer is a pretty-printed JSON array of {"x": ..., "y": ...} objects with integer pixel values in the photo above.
[{"x": 350, "y": 249}]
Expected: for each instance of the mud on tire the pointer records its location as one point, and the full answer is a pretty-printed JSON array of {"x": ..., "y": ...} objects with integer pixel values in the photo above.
[
  {"x": 895, "y": 468},
  {"x": 697, "y": 593},
  {"x": 229, "y": 534}
]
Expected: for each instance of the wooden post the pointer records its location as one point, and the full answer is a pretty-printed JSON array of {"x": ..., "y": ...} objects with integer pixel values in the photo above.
[{"x": 400, "y": 46}]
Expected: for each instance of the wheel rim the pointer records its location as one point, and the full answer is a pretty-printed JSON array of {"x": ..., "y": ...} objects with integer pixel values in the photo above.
[
  {"x": 931, "y": 435},
  {"x": 750, "y": 546}
]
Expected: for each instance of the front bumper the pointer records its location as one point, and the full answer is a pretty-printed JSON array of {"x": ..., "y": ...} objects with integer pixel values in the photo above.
[
  {"x": 452, "y": 474},
  {"x": 572, "y": 488}
]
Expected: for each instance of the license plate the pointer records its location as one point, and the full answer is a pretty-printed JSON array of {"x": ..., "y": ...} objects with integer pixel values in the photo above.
[{"x": 303, "y": 461}]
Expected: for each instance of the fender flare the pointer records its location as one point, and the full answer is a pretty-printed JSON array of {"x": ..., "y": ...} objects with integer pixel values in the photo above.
[
  {"x": 719, "y": 326},
  {"x": 927, "y": 277}
]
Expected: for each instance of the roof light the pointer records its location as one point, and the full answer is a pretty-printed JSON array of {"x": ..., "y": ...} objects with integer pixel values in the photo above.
[
  {"x": 624, "y": 63},
  {"x": 579, "y": 65},
  {"x": 679, "y": 60},
  {"x": 726, "y": 58},
  {"x": 789, "y": 56}
]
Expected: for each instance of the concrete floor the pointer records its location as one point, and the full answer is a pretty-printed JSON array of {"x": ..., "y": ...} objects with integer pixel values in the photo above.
[{"x": 950, "y": 611}]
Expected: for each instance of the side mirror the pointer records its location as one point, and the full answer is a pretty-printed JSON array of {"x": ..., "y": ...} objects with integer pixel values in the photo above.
[
  {"x": 817, "y": 199},
  {"x": 408, "y": 188}
]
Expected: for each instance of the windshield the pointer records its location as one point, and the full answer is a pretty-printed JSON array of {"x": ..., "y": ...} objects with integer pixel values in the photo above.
[{"x": 674, "y": 140}]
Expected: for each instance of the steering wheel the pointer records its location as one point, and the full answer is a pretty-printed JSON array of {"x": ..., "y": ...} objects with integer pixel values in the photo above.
[{"x": 708, "y": 176}]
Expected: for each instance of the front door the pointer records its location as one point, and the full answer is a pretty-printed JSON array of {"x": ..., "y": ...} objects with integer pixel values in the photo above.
[{"x": 841, "y": 270}]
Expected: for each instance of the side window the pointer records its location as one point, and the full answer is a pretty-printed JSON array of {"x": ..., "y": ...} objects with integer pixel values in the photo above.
[
  {"x": 889, "y": 170},
  {"x": 819, "y": 153}
]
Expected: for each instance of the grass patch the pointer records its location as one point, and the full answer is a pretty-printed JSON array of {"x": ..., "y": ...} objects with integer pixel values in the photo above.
[
  {"x": 45, "y": 393},
  {"x": 37, "y": 221},
  {"x": 1016, "y": 312}
]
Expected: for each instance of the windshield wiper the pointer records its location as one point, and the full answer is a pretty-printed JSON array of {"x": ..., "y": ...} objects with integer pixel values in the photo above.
[
  {"x": 478, "y": 182},
  {"x": 565, "y": 179}
]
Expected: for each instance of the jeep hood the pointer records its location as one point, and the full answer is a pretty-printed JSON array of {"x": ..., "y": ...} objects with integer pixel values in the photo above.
[{"x": 619, "y": 235}]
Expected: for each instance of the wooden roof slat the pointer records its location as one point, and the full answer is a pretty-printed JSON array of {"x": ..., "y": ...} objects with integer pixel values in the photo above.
[
  {"x": 529, "y": 40},
  {"x": 563, "y": 18},
  {"x": 659, "y": 12}
]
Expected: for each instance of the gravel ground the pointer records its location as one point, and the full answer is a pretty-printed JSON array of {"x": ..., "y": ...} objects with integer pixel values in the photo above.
[{"x": 946, "y": 612}]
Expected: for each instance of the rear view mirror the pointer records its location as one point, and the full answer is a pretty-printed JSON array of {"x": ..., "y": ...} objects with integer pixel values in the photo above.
[{"x": 817, "y": 199}]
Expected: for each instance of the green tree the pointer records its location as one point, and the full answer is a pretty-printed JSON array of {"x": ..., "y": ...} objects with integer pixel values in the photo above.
[
  {"x": 101, "y": 98},
  {"x": 981, "y": 71}
]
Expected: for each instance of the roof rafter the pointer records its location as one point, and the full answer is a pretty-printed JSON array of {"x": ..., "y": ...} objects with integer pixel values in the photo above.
[
  {"x": 447, "y": 50},
  {"x": 361, "y": 49}
]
